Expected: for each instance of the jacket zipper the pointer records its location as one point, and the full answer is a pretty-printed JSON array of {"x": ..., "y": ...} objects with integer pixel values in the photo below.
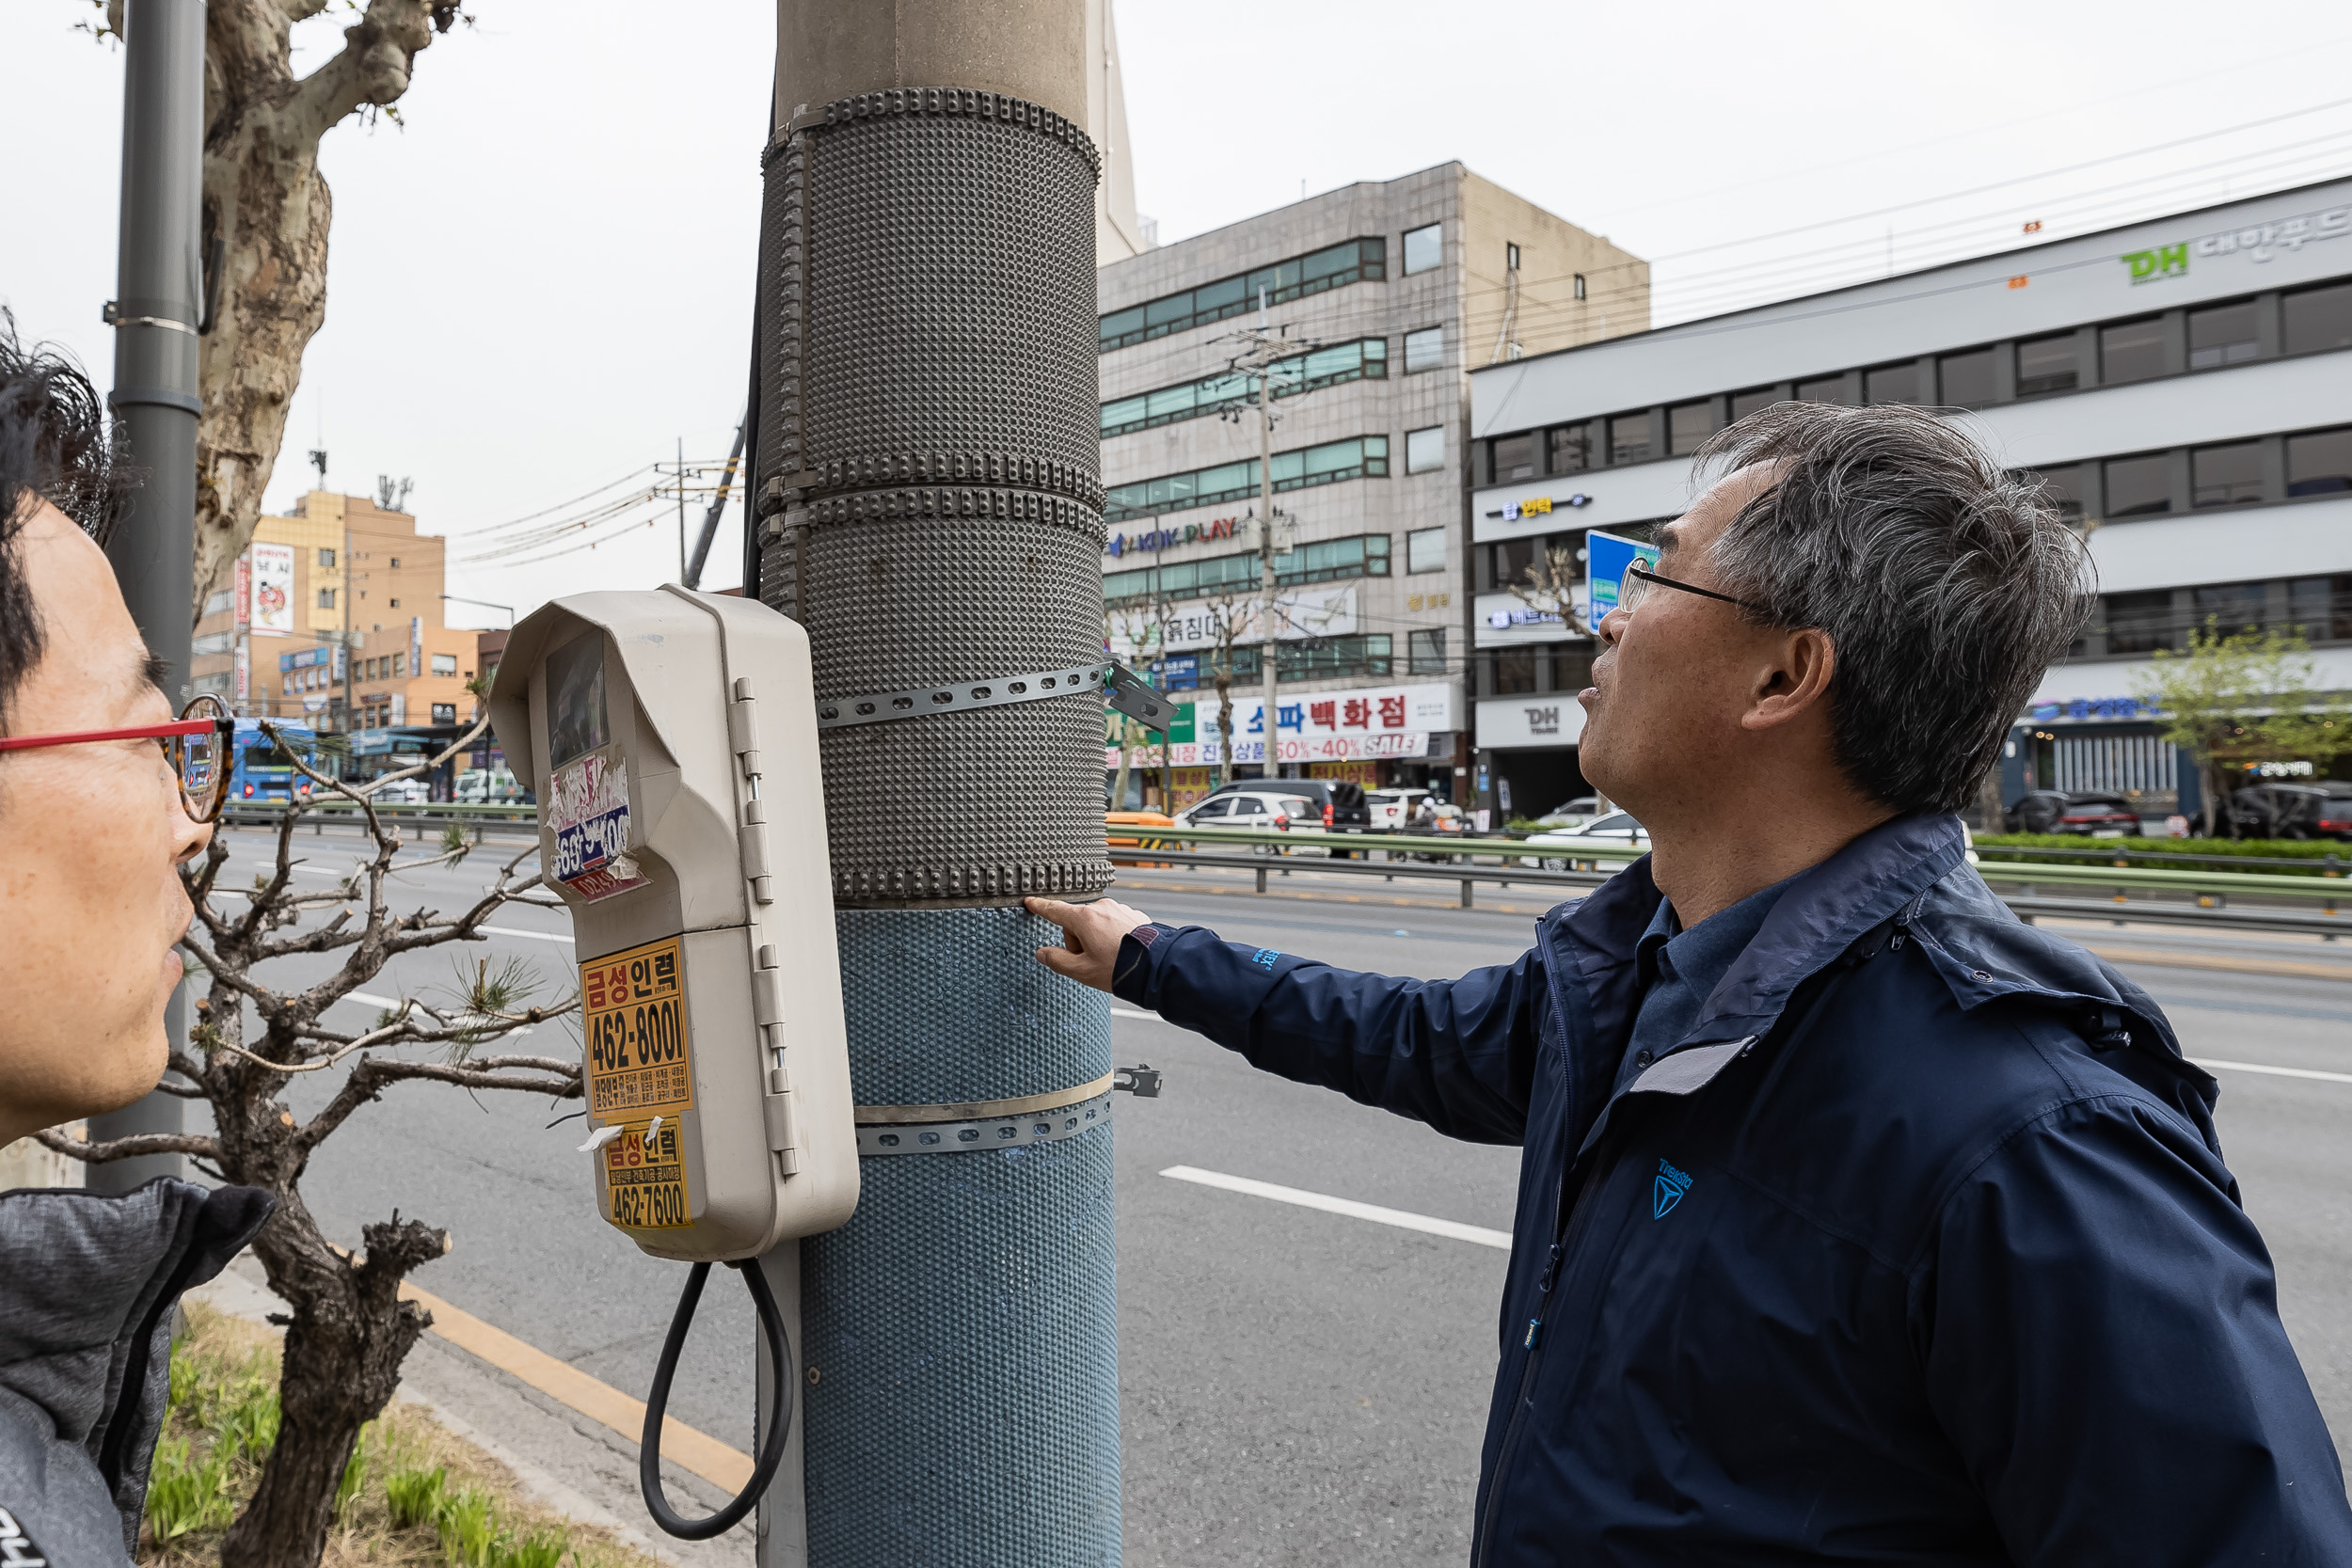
[
  {"x": 1534, "y": 1345},
  {"x": 112, "y": 1455}
]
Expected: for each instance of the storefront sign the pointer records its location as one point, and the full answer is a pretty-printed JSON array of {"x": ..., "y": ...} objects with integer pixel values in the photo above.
[
  {"x": 1154, "y": 540},
  {"x": 1361, "y": 724},
  {"x": 1606, "y": 557},
  {"x": 243, "y": 597},
  {"x": 273, "y": 590},
  {"x": 243, "y": 687},
  {"x": 2093, "y": 707},
  {"x": 1546, "y": 718}
]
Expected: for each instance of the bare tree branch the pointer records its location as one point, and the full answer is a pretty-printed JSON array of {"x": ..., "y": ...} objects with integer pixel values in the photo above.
[
  {"x": 374, "y": 1074},
  {"x": 129, "y": 1148}
]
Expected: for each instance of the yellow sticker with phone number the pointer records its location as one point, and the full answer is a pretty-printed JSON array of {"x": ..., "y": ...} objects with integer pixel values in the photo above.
[
  {"x": 644, "y": 1184},
  {"x": 632, "y": 1006}
]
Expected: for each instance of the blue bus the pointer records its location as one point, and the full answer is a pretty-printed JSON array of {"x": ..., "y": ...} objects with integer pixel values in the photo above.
[{"x": 262, "y": 770}]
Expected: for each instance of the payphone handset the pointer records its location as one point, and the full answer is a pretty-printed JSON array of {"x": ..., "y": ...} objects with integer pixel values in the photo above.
[{"x": 670, "y": 740}]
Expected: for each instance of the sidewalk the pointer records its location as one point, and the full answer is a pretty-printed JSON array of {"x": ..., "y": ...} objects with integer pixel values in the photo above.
[{"x": 562, "y": 1457}]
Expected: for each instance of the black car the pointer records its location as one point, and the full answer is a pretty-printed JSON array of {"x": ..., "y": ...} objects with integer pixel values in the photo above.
[
  {"x": 1344, "y": 808},
  {"x": 2291, "y": 811},
  {"x": 2057, "y": 811}
]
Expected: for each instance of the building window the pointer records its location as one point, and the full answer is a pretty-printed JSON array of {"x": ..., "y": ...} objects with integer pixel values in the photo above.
[
  {"x": 1425, "y": 349},
  {"x": 1579, "y": 285},
  {"x": 1424, "y": 248},
  {"x": 221, "y": 603},
  {"x": 395, "y": 564},
  {"x": 1320, "y": 659},
  {"x": 1823, "y": 389},
  {"x": 1425, "y": 550},
  {"x": 326, "y": 598},
  {"x": 1510, "y": 256},
  {"x": 1425, "y": 450},
  {"x": 399, "y": 663},
  {"x": 1511, "y": 559},
  {"x": 445, "y": 713},
  {"x": 2223, "y": 335},
  {"x": 1426, "y": 652},
  {"x": 1514, "y": 458},
  {"x": 2229, "y": 475},
  {"x": 2321, "y": 608},
  {"x": 1365, "y": 359},
  {"x": 1629, "y": 439},
  {"x": 326, "y": 558},
  {"x": 2139, "y": 486},
  {"x": 2062, "y": 491},
  {"x": 1349, "y": 262},
  {"x": 445, "y": 664},
  {"x": 1570, "y": 447},
  {"x": 395, "y": 604},
  {"x": 1754, "y": 400},
  {"x": 2232, "y": 606},
  {"x": 1965, "y": 380},
  {"x": 1362, "y": 555},
  {"x": 2131, "y": 351},
  {"x": 1688, "y": 425},
  {"x": 2140, "y": 622},
  {"x": 1364, "y": 457},
  {"x": 2047, "y": 365},
  {"x": 1892, "y": 383},
  {"x": 2319, "y": 464},
  {"x": 2319, "y": 319},
  {"x": 1515, "y": 672}
]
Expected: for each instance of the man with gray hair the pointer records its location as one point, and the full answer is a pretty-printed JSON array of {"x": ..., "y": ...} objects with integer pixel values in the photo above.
[{"x": 1857, "y": 1220}]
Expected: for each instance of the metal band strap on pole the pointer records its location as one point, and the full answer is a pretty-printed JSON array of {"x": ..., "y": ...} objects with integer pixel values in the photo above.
[{"x": 1125, "y": 688}]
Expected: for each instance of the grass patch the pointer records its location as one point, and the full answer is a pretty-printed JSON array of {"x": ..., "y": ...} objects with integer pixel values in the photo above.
[
  {"x": 2313, "y": 853},
  {"x": 412, "y": 1496}
]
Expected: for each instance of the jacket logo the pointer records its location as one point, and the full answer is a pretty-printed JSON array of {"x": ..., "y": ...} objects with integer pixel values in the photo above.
[
  {"x": 1668, "y": 1190},
  {"x": 16, "y": 1547},
  {"x": 1263, "y": 957}
]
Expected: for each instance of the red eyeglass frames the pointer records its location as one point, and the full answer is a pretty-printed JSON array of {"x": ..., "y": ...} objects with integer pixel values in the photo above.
[{"x": 196, "y": 742}]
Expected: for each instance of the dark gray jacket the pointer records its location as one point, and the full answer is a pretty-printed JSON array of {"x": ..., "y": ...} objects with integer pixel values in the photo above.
[{"x": 88, "y": 1284}]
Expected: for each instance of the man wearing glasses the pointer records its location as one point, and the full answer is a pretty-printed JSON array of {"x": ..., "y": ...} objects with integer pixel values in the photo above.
[
  {"x": 103, "y": 796},
  {"x": 1857, "y": 1221}
]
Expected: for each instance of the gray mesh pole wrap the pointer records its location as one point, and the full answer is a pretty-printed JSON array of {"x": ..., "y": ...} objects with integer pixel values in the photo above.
[{"x": 928, "y": 479}]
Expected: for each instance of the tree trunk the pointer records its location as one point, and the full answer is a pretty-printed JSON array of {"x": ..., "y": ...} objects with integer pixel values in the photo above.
[
  {"x": 350, "y": 1333},
  {"x": 1224, "y": 723},
  {"x": 1126, "y": 755}
]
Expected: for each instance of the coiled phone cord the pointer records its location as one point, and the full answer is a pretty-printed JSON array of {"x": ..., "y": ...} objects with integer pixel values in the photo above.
[{"x": 772, "y": 1452}]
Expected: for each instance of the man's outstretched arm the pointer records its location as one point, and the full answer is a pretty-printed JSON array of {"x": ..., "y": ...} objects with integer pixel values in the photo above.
[{"x": 1458, "y": 1055}]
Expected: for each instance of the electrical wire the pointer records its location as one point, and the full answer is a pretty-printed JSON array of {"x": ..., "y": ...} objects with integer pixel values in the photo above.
[{"x": 785, "y": 1371}]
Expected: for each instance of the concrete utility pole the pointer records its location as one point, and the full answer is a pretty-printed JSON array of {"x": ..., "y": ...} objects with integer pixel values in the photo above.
[
  {"x": 156, "y": 313},
  {"x": 1264, "y": 349},
  {"x": 928, "y": 502}
]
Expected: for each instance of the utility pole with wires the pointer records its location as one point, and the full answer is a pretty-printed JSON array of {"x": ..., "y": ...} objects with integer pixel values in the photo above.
[{"x": 1263, "y": 350}]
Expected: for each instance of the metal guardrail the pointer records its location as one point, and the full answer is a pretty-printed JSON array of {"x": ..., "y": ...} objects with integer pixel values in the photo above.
[
  {"x": 267, "y": 813},
  {"x": 1456, "y": 859},
  {"x": 2328, "y": 864}
]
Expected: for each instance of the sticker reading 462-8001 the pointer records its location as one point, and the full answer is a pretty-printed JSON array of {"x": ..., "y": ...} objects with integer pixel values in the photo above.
[{"x": 633, "y": 1010}]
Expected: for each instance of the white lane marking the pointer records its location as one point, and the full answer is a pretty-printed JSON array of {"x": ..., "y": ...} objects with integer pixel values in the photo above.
[
  {"x": 2274, "y": 1071},
  {"x": 1129, "y": 1012},
  {"x": 1353, "y": 1209},
  {"x": 535, "y": 936}
]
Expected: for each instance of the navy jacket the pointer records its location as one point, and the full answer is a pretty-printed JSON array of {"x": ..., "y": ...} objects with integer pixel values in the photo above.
[{"x": 1919, "y": 1248}]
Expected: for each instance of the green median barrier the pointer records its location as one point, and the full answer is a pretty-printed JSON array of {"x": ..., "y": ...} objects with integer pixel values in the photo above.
[{"x": 2156, "y": 878}]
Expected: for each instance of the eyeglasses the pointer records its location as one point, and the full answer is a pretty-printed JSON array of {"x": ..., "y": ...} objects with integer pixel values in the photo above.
[
  {"x": 1636, "y": 588},
  {"x": 197, "y": 744}
]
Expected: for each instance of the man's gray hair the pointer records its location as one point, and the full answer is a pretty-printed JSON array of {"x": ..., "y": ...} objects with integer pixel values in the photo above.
[{"x": 1946, "y": 584}]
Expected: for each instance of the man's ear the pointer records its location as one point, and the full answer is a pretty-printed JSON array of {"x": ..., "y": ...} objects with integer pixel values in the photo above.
[{"x": 1795, "y": 681}]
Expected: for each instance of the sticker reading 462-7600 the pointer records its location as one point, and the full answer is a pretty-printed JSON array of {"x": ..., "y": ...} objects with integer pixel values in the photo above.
[{"x": 633, "y": 1010}]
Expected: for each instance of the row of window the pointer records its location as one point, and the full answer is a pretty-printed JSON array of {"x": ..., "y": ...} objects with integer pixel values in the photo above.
[
  {"x": 1302, "y": 468},
  {"x": 1360, "y": 555},
  {"x": 1370, "y": 653},
  {"x": 2187, "y": 479},
  {"x": 1332, "y": 267},
  {"x": 2134, "y": 624},
  {"x": 1513, "y": 672},
  {"x": 2309, "y": 321},
  {"x": 388, "y": 667},
  {"x": 1365, "y": 359}
]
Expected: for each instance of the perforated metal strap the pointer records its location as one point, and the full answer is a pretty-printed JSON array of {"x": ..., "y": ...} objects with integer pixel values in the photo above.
[
  {"x": 964, "y": 1137},
  {"x": 1127, "y": 691}
]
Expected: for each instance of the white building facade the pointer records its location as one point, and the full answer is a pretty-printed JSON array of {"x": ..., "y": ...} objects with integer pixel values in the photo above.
[
  {"x": 1391, "y": 289},
  {"x": 2181, "y": 386}
]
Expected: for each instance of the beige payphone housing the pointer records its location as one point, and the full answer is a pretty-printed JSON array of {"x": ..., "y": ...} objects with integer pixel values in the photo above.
[{"x": 670, "y": 740}]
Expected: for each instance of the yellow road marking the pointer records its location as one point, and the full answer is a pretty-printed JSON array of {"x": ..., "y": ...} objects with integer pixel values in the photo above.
[
  {"x": 1327, "y": 897},
  {"x": 698, "y": 1451}
]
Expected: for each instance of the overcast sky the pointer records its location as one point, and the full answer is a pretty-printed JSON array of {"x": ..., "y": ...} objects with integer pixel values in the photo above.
[{"x": 542, "y": 281}]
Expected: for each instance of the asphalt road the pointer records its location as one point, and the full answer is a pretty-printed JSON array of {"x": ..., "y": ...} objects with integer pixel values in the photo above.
[{"x": 1299, "y": 1386}]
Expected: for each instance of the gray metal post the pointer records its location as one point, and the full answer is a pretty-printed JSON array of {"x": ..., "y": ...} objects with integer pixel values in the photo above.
[
  {"x": 157, "y": 307},
  {"x": 928, "y": 500}
]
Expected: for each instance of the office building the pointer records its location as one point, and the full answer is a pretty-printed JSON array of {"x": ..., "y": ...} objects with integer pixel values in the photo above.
[
  {"x": 1392, "y": 290},
  {"x": 2181, "y": 387}
]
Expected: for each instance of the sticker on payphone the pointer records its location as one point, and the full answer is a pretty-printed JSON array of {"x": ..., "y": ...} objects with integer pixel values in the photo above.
[
  {"x": 632, "y": 1006},
  {"x": 644, "y": 1184}
]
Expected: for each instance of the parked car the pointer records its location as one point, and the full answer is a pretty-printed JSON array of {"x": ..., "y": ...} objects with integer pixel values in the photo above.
[
  {"x": 404, "y": 792},
  {"x": 2055, "y": 811},
  {"x": 1391, "y": 811},
  {"x": 1349, "y": 811},
  {"x": 1271, "y": 809},
  {"x": 1564, "y": 849},
  {"x": 1571, "y": 814},
  {"x": 2291, "y": 811}
]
